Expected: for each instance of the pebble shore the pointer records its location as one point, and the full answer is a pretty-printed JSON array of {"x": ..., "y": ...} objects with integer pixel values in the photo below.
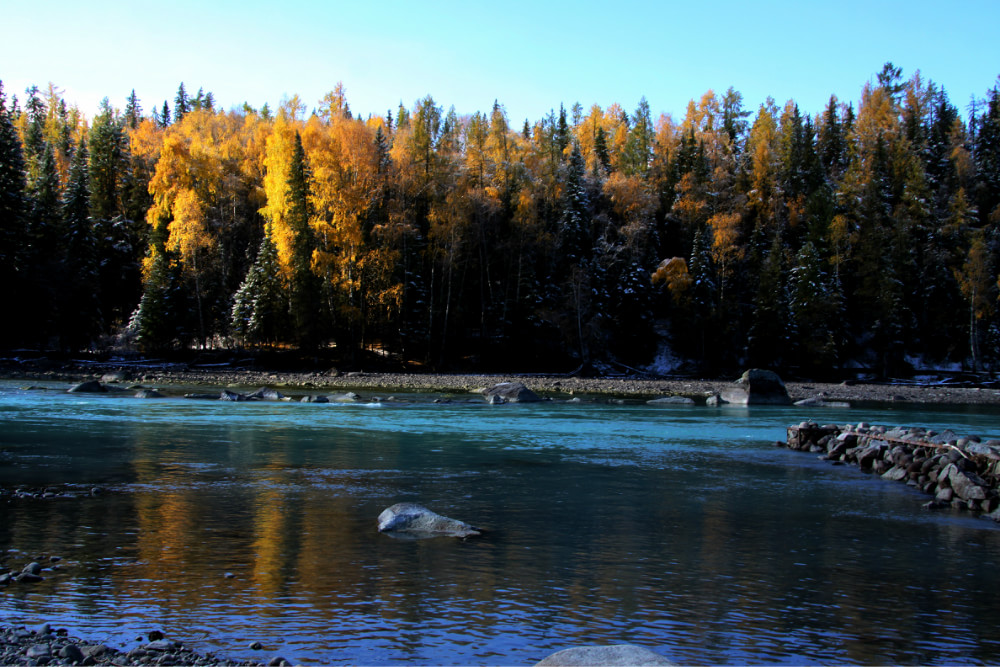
[
  {"x": 45, "y": 645},
  {"x": 554, "y": 386}
]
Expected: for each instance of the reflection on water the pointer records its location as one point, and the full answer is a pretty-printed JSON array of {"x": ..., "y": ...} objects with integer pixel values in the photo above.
[{"x": 680, "y": 529}]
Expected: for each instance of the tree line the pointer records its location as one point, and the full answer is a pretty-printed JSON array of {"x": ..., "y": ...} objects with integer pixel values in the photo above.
[{"x": 852, "y": 237}]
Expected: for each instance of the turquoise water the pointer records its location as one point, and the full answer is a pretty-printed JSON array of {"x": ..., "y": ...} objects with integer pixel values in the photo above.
[{"x": 681, "y": 529}]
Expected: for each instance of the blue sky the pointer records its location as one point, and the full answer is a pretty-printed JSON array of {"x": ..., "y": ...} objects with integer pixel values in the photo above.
[{"x": 530, "y": 56}]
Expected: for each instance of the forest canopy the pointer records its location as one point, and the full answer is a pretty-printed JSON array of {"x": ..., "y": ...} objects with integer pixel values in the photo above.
[{"x": 811, "y": 240}]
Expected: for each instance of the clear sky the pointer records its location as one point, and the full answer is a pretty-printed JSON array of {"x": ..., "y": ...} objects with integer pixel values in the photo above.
[{"x": 531, "y": 56}]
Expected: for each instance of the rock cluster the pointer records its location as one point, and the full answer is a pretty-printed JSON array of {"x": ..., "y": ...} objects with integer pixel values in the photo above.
[
  {"x": 961, "y": 472},
  {"x": 43, "y": 645}
]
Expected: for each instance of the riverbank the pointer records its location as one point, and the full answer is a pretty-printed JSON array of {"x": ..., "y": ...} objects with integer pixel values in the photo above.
[
  {"x": 555, "y": 386},
  {"x": 45, "y": 645}
]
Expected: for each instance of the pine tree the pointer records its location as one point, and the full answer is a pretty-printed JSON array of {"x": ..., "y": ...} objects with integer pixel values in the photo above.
[
  {"x": 304, "y": 288},
  {"x": 811, "y": 312},
  {"x": 639, "y": 142},
  {"x": 159, "y": 322},
  {"x": 133, "y": 112},
  {"x": 13, "y": 222},
  {"x": 79, "y": 308},
  {"x": 261, "y": 306},
  {"x": 182, "y": 104},
  {"x": 768, "y": 336},
  {"x": 574, "y": 226}
]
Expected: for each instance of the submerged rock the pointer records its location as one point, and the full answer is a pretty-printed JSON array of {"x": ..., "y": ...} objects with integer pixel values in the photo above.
[
  {"x": 89, "y": 387},
  {"x": 672, "y": 400},
  {"x": 619, "y": 654},
  {"x": 413, "y": 520}
]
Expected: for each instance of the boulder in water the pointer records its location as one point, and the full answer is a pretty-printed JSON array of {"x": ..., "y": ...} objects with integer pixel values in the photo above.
[
  {"x": 757, "y": 387},
  {"x": 89, "y": 387},
  {"x": 266, "y": 394},
  {"x": 413, "y": 520},
  {"x": 510, "y": 392},
  {"x": 599, "y": 656}
]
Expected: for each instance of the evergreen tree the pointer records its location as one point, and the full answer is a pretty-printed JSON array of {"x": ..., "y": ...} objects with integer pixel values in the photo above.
[
  {"x": 574, "y": 235},
  {"x": 159, "y": 322},
  {"x": 182, "y": 104},
  {"x": 639, "y": 142},
  {"x": 811, "y": 310},
  {"x": 133, "y": 111},
  {"x": 13, "y": 222},
  {"x": 261, "y": 306},
  {"x": 768, "y": 336},
  {"x": 79, "y": 307},
  {"x": 119, "y": 238},
  {"x": 304, "y": 287},
  {"x": 601, "y": 150}
]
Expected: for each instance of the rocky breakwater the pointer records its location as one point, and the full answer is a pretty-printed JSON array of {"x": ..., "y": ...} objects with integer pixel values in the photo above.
[{"x": 959, "y": 471}]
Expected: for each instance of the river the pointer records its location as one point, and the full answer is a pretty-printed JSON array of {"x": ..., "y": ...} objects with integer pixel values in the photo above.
[{"x": 682, "y": 529}]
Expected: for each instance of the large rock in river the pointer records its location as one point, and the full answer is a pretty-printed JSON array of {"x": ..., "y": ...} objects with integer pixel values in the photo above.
[
  {"x": 599, "y": 656},
  {"x": 757, "y": 387},
  {"x": 510, "y": 392},
  {"x": 90, "y": 387},
  {"x": 412, "y": 520}
]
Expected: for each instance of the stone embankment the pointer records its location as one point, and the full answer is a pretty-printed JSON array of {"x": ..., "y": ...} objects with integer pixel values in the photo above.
[{"x": 960, "y": 472}]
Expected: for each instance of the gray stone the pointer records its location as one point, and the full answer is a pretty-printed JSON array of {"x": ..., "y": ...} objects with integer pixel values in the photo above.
[
  {"x": 944, "y": 495},
  {"x": 983, "y": 449},
  {"x": 71, "y": 653},
  {"x": 512, "y": 392},
  {"x": 36, "y": 651},
  {"x": 113, "y": 376},
  {"x": 412, "y": 520},
  {"x": 267, "y": 394},
  {"x": 757, "y": 387},
  {"x": 672, "y": 400},
  {"x": 715, "y": 400},
  {"x": 967, "y": 485},
  {"x": 599, "y": 656},
  {"x": 349, "y": 397}
]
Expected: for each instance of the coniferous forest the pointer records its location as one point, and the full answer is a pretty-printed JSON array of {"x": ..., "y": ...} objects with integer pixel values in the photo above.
[{"x": 860, "y": 235}]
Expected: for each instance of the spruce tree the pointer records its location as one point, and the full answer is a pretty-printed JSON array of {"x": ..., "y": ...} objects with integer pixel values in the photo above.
[
  {"x": 182, "y": 104},
  {"x": 79, "y": 310},
  {"x": 13, "y": 222},
  {"x": 261, "y": 306},
  {"x": 304, "y": 287},
  {"x": 158, "y": 323}
]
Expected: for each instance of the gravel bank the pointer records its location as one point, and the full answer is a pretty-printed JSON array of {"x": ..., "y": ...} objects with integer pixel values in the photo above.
[
  {"x": 45, "y": 645},
  {"x": 554, "y": 386}
]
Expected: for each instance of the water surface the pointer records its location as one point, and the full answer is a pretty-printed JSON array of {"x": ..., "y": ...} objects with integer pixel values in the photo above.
[{"x": 681, "y": 529}]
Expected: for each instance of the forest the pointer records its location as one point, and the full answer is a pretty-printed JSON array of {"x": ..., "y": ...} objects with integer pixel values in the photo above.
[{"x": 863, "y": 235}]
